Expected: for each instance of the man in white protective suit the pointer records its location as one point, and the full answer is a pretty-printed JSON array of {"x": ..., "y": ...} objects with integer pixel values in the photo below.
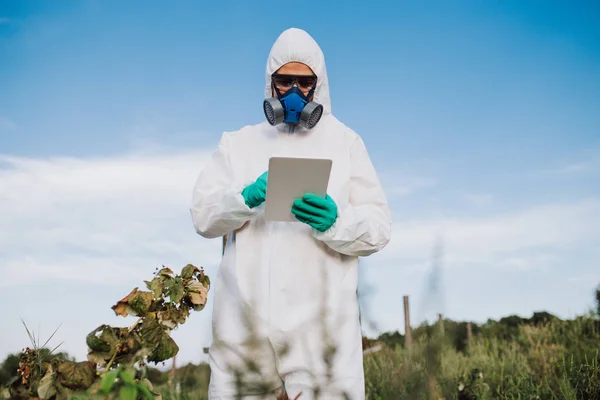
[{"x": 285, "y": 313}]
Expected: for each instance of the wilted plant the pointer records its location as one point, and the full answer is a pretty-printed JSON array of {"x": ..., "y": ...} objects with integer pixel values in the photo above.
[{"x": 117, "y": 355}]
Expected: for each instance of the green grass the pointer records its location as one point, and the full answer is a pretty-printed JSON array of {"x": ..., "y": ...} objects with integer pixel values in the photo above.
[
  {"x": 554, "y": 360},
  {"x": 558, "y": 360},
  {"x": 528, "y": 360}
]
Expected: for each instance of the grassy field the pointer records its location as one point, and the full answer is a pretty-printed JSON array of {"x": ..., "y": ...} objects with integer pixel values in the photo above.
[
  {"x": 527, "y": 359},
  {"x": 557, "y": 360},
  {"x": 542, "y": 358}
]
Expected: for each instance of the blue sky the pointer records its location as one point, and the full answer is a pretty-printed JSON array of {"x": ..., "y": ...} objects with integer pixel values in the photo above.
[{"x": 481, "y": 118}]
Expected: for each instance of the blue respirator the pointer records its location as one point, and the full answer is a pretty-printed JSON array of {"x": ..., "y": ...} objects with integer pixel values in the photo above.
[{"x": 292, "y": 107}]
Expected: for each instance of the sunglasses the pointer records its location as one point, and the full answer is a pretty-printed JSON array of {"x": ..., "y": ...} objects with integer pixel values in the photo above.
[{"x": 287, "y": 81}]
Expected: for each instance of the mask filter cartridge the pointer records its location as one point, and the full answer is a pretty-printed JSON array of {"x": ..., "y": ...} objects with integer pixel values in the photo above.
[{"x": 293, "y": 108}]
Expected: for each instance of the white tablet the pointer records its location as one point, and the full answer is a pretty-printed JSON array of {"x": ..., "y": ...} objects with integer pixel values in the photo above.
[{"x": 290, "y": 179}]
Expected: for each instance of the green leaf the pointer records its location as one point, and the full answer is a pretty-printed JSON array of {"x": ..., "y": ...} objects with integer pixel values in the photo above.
[
  {"x": 188, "y": 271},
  {"x": 156, "y": 285},
  {"x": 108, "y": 380},
  {"x": 128, "y": 392},
  {"x": 166, "y": 349},
  {"x": 177, "y": 291},
  {"x": 154, "y": 336},
  {"x": 102, "y": 339},
  {"x": 167, "y": 282},
  {"x": 127, "y": 376},
  {"x": 150, "y": 332},
  {"x": 145, "y": 391}
]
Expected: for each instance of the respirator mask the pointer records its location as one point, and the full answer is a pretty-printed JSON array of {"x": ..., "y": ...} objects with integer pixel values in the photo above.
[{"x": 293, "y": 107}]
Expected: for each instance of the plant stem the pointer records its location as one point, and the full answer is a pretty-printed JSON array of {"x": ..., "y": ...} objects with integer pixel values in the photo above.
[
  {"x": 111, "y": 361},
  {"x": 132, "y": 327}
]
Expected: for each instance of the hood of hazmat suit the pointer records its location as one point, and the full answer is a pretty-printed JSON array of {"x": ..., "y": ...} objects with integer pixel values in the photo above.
[{"x": 285, "y": 296}]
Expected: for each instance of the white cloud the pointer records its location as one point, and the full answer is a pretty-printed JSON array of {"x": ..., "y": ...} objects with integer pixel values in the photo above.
[
  {"x": 530, "y": 237},
  {"x": 400, "y": 185},
  {"x": 478, "y": 199},
  {"x": 67, "y": 216},
  {"x": 491, "y": 267}
]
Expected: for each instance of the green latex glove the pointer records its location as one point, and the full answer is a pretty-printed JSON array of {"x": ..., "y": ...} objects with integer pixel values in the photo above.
[
  {"x": 320, "y": 213},
  {"x": 255, "y": 193}
]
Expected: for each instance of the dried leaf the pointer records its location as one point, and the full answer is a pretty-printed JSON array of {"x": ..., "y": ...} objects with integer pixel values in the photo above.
[
  {"x": 166, "y": 272},
  {"x": 76, "y": 375},
  {"x": 136, "y": 303},
  {"x": 197, "y": 295},
  {"x": 205, "y": 280},
  {"x": 128, "y": 344},
  {"x": 47, "y": 385},
  {"x": 99, "y": 358},
  {"x": 104, "y": 341},
  {"x": 141, "y": 301},
  {"x": 198, "y": 301},
  {"x": 25, "y": 373},
  {"x": 195, "y": 286},
  {"x": 188, "y": 271},
  {"x": 168, "y": 323},
  {"x": 122, "y": 307},
  {"x": 172, "y": 316}
]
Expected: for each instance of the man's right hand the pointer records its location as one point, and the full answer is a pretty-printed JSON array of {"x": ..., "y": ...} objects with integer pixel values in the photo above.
[{"x": 255, "y": 193}]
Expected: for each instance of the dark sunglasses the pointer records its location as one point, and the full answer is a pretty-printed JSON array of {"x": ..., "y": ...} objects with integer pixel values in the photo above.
[{"x": 304, "y": 81}]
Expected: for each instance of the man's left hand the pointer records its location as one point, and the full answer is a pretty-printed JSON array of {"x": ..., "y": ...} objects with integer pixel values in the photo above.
[{"x": 320, "y": 213}]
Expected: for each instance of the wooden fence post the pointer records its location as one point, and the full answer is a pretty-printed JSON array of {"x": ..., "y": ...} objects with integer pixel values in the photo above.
[
  {"x": 469, "y": 335},
  {"x": 173, "y": 369},
  {"x": 407, "y": 329}
]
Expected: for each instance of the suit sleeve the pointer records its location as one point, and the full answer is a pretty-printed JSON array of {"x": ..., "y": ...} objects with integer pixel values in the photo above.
[
  {"x": 364, "y": 226},
  {"x": 218, "y": 206}
]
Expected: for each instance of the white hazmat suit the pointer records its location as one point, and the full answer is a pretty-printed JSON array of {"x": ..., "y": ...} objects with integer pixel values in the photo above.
[{"x": 285, "y": 297}]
